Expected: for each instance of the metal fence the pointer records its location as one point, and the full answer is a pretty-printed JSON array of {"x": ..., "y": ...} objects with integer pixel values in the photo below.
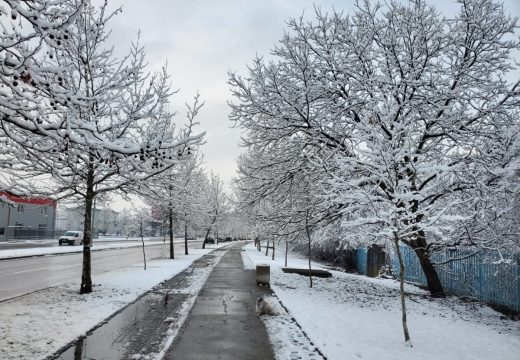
[
  {"x": 481, "y": 276},
  {"x": 27, "y": 233},
  {"x": 361, "y": 260}
]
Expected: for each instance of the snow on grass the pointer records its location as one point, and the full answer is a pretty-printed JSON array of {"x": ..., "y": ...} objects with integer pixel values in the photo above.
[
  {"x": 66, "y": 249},
  {"x": 11, "y": 253},
  {"x": 36, "y": 325},
  {"x": 354, "y": 317},
  {"x": 116, "y": 243},
  {"x": 287, "y": 339}
]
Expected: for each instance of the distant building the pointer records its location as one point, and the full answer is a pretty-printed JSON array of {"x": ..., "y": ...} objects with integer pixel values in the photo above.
[
  {"x": 105, "y": 221},
  {"x": 26, "y": 217}
]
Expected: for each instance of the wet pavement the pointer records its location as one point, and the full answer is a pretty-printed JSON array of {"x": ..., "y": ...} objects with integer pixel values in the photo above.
[
  {"x": 223, "y": 322},
  {"x": 140, "y": 327},
  {"x": 221, "y": 325}
]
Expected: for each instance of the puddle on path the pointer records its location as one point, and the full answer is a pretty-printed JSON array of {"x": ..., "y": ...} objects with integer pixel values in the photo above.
[
  {"x": 139, "y": 327},
  {"x": 129, "y": 330}
]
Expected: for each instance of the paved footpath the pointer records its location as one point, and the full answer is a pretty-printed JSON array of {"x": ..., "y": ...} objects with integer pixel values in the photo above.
[{"x": 223, "y": 323}]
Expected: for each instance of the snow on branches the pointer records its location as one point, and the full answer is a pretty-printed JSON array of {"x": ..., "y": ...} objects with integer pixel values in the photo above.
[
  {"x": 97, "y": 123},
  {"x": 55, "y": 60},
  {"x": 408, "y": 115}
]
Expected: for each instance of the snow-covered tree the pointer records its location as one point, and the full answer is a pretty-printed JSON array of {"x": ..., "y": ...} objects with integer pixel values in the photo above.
[
  {"x": 30, "y": 30},
  {"x": 279, "y": 188},
  {"x": 32, "y": 82},
  {"x": 398, "y": 101},
  {"x": 178, "y": 195},
  {"x": 119, "y": 135},
  {"x": 190, "y": 206},
  {"x": 138, "y": 224},
  {"x": 217, "y": 203}
]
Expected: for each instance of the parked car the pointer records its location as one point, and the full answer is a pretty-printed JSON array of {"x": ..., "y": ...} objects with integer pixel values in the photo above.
[
  {"x": 210, "y": 240},
  {"x": 228, "y": 238},
  {"x": 71, "y": 238}
]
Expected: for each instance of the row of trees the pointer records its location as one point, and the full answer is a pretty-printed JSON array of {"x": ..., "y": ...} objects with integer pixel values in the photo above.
[
  {"x": 391, "y": 125},
  {"x": 184, "y": 199},
  {"x": 76, "y": 120},
  {"x": 187, "y": 195}
]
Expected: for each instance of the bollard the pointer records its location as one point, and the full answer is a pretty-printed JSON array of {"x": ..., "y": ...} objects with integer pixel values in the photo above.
[{"x": 263, "y": 272}]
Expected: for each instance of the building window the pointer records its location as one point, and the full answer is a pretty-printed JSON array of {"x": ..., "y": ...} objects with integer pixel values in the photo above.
[
  {"x": 19, "y": 209},
  {"x": 2, "y": 231},
  {"x": 43, "y": 211}
]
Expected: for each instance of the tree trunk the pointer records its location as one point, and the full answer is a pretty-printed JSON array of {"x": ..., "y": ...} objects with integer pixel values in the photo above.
[
  {"x": 185, "y": 237},
  {"x": 286, "y": 251},
  {"x": 307, "y": 231},
  {"x": 78, "y": 349},
  {"x": 170, "y": 219},
  {"x": 86, "y": 279},
  {"x": 209, "y": 229},
  {"x": 432, "y": 278},
  {"x": 401, "y": 289},
  {"x": 273, "y": 249},
  {"x": 267, "y": 248},
  {"x": 142, "y": 241},
  {"x": 206, "y": 238}
]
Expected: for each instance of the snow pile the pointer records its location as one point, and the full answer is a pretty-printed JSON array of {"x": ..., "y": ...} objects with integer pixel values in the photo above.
[
  {"x": 246, "y": 260},
  {"x": 351, "y": 316},
  {"x": 36, "y": 325},
  {"x": 268, "y": 305}
]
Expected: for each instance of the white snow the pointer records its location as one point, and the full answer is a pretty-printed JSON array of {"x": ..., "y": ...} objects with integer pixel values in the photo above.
[
  {"x": 351, "y": 316},
  {"x": 39, "y": 251},
  {"x": 36, "y": 325},
  {"x": 345, "y": 317}
]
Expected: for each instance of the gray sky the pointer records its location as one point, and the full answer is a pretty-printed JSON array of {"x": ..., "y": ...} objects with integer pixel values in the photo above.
[{"x": 203, "y": 39}]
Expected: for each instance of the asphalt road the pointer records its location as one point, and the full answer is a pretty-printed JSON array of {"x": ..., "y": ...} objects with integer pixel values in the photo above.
[
  {"x": 48, "y": 243},
  {"x": 23, "y": 276}
]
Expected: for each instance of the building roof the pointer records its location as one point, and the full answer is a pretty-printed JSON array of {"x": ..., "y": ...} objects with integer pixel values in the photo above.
[{"x": 15, "y": 199}]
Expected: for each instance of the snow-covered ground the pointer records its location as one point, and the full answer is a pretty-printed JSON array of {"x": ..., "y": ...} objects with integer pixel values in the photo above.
[
  {"x": 38, "y": 324},
  {"x": 99, "y": 244},
  {"x": 38, "y": 251},
  {"x": 345, "y": 317},
  {"x": 351, "y": 316}
]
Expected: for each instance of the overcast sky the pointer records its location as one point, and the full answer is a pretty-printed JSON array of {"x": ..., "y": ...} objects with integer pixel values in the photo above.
[{"x": 203, "y": 39}]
